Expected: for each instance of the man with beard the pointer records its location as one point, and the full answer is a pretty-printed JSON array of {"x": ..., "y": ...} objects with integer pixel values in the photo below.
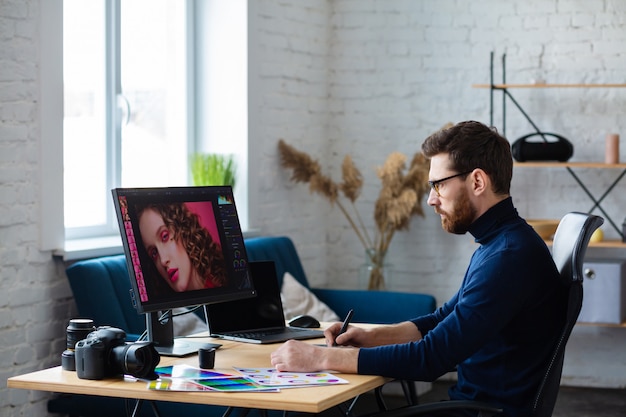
[{"x": 499, "y": 328}]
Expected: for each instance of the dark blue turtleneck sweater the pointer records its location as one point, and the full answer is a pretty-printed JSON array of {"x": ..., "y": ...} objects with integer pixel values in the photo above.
[{"x": 498, "y": 329}]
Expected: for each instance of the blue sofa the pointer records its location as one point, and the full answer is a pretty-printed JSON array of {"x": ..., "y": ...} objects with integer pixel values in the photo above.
[
  {"x": 382, "y": 307},
  {"x": 101, "y": 290}
]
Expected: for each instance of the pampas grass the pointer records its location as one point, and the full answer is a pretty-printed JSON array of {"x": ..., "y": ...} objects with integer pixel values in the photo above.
[{"x": 399, "y": 199}]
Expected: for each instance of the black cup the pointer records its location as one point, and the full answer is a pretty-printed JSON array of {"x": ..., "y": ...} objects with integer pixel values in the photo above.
[{"x": 206, "y": 358}]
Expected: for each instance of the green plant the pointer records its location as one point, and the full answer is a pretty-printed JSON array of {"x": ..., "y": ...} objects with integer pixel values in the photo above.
[{"x": 213, "y": 169}]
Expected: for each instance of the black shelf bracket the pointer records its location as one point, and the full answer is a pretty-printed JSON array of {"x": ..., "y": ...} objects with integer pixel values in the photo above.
[{"x": 507, "y": 94}]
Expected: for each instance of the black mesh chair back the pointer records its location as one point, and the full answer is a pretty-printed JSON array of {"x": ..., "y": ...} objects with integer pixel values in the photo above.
[{"x": 568, "y": 251}]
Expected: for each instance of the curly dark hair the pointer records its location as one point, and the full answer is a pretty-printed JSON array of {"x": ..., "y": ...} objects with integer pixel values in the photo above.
[{"x": 205, "y": 254}]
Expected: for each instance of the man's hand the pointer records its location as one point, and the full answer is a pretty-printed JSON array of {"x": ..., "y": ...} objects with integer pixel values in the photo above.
[
  {"x": 354, "y": 336},
  {"x": 296, "y": 356},
  {"x": 372, "y": 336}
]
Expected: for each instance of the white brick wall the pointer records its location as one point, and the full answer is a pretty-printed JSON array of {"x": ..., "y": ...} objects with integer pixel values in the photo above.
[
  {"x": 336, "y": 77},
  {"x": 35, "y": 300},
  {"x": 399, "y": 70}
]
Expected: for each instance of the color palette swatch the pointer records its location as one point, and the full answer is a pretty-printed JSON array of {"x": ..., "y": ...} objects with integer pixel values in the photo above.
[
  {"x": 187, "y": 372},
  {"x": 270, "y": 377},
  {"x": 188, "y": 378}
]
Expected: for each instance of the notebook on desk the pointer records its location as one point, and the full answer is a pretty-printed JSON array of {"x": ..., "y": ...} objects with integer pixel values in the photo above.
[{"x": 256, "y": 320}]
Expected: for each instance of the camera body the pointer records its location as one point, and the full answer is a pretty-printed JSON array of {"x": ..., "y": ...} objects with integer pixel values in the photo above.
[{"x": 105, "y": 353}]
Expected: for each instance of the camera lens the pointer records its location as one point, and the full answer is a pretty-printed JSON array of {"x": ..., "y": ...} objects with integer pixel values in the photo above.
[
  {"x": 137, "y": 359},
  {"x": 77, "y": 330}
]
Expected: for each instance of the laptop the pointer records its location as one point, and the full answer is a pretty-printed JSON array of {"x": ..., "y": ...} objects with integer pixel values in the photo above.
[{"x": 259, "y": 319}]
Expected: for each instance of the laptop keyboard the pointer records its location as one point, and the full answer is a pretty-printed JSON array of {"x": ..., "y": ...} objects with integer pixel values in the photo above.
[{"x": 269, "y": 332}]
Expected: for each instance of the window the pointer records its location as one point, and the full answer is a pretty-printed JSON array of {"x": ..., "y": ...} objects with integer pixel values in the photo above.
[
  {"x": 126, "y": 116},
  {"x": 145, "y": 83}
]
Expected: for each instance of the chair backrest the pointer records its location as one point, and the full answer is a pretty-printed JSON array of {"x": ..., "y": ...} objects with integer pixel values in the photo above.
[{"x": 568, "y": 251}]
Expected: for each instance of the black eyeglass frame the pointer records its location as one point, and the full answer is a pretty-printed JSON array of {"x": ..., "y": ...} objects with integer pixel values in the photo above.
[{"x": 435, "y": 184}]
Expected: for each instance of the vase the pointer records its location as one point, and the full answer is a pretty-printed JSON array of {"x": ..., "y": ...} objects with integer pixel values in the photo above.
[
  {"x": 375, "y": 273},
  {"x": 611, "y": 154}
]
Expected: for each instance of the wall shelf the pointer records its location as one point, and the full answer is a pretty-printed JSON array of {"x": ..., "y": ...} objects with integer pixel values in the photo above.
[
  {"x": 613, "y": 244},
  {"x": 540, "y": 85},
  {"x": 597, "y": 202},
  {"x": 582, "y": 323},
  {"x": 536, "y": 164},
  {"x": 569, "y": 166}
]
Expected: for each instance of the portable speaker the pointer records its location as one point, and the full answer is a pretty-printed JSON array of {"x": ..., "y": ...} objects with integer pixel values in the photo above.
[{"x": 555, "y": 150}]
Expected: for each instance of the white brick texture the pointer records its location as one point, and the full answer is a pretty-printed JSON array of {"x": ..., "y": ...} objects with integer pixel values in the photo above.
[{"x": 334, "y": 77}]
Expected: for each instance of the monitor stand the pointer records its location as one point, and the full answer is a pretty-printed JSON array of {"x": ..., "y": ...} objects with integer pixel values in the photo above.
[{"x": 162, "y": 334}]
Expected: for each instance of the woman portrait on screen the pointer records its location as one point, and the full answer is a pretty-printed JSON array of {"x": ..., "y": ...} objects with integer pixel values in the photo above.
[{"x": 184, "y": 253}]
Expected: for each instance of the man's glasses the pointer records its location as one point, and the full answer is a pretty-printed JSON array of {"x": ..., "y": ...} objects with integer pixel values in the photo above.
[{"x": 435, "y": 184}]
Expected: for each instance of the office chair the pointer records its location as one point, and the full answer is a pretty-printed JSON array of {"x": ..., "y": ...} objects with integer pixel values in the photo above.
[{"x": 568, "y": 251}]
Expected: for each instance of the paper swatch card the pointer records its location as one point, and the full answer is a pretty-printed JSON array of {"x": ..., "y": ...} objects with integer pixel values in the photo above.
[
  {"x": 270, "y": 377},
  {"x": 187, "y": 372},
  {"x": 227, "y": 384},
  {"x": 188, "y": 378},
  {"x": 233, "y": 384},
  {"x": 176, "y": 384}
]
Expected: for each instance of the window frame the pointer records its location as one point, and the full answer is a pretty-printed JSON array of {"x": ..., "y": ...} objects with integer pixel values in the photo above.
[{"x": 52, "y": 229}]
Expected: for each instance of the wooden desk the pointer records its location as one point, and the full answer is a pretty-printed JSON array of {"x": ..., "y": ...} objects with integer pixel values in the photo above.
[{"x": 310, "y": 400}]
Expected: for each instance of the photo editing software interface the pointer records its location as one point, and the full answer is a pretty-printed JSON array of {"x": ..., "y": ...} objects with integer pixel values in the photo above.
[{"x": 184, "y": 247}]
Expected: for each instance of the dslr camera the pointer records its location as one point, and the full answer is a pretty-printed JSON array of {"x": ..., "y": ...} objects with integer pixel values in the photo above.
[{"x": 105, "y": 353}]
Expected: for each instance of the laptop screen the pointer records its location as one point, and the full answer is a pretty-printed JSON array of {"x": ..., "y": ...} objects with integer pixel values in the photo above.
[{"x": 262, "y": 312}]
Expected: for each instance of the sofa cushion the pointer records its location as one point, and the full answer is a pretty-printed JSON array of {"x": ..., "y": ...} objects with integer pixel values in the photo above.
[
  {"x": 379, "y": 307},
  {"x": 297, "y": 300}
]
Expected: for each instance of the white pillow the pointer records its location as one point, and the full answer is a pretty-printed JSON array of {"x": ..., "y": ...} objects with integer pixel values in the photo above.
[
  {"x": 297, "y": 300},
  {"x": 188, "y": 324}
]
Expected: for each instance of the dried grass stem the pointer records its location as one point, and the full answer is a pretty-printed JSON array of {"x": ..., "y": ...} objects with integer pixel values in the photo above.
[{"x": 398, "y": 201}]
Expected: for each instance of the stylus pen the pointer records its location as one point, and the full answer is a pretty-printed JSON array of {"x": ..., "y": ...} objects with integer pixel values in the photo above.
[{"x": 344, "y": 326}]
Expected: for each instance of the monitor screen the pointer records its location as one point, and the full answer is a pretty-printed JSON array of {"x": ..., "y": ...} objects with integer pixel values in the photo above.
[{"x": 183, "y": 246}]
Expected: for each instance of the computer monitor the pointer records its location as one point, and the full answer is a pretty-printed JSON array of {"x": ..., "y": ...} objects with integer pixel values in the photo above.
[{"x": 184, "y": 247}]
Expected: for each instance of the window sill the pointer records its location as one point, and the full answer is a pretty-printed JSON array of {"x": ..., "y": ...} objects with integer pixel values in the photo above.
[{"x": 77, "y": 249}]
